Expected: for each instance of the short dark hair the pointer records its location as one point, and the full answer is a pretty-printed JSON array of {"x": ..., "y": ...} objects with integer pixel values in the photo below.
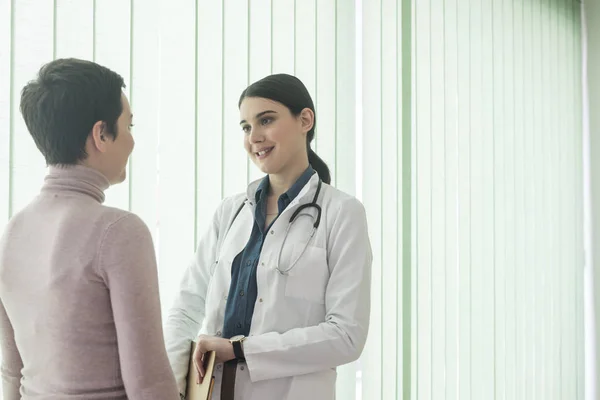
[
  {"x": 61, "y": 106},
  {"x": 291, "y": 92}
]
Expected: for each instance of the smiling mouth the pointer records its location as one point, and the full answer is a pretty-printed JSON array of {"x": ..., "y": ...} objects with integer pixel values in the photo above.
[{"x": 264, "y": 153}]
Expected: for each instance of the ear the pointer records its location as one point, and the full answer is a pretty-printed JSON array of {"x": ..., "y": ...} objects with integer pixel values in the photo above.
[
  {"x": 98, "y": 137},
  {"x": 307, "y": 119}
]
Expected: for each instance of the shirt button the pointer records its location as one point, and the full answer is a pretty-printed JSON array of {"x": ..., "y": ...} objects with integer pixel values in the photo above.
[
  {"x": 260, "y": 300},
  {"x": 242, "y": 367},
  {"x": 262, "y": 263},
  {"x": 239, "y": 325},
  {"x": 219, "y": 333},
  {"x": 225, "y": 297},
  {"x": 219, "y": 367},
  {"x": 272, "y": 232},
  {"x": 248, "y": 263},
  {"x": 241, "y": 292}
]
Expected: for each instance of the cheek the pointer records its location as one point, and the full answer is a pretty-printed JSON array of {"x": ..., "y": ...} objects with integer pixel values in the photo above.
[
  {"x": 278, "y": 135},
  {"x": 289, "y": 141},
  {"x": 246, "y": 143},
  {"x": 130, "y": 142},
  {"x": 127, "y": 143}
]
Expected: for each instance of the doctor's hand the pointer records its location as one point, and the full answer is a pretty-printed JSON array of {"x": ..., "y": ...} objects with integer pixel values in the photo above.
[{"x": 222, "y": 347}]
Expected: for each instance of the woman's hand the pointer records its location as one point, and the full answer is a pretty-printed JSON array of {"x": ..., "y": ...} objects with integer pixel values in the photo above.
[{"x": 222, "y": 347}]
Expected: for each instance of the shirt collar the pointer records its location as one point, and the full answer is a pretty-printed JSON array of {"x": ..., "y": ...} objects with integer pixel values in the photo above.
[
  {"x": 300, "y": 183},
  {"x": 263, "y": 187}
]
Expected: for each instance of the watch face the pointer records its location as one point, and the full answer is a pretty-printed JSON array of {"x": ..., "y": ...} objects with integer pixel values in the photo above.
[{"x": 237, "y": 338}]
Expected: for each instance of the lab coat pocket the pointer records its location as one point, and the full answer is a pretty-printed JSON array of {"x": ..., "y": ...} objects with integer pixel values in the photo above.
[{"x": 307, "y": 279}]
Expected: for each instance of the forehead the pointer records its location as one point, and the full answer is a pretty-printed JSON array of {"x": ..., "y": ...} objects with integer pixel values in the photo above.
[
  {"x": 125, "y": 103},
  {"x": 253, "y": 105}
]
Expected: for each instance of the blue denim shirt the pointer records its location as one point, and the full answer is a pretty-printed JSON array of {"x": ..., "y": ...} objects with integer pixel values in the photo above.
[{"x": 243, "y": 290}]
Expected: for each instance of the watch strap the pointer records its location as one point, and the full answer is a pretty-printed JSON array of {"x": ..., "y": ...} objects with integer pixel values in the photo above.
[{"x": 238, "y": 349}]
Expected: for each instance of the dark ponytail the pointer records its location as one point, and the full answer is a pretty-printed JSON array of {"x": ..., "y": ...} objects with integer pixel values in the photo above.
[
  {"x": 291, "y": 92},
  {"x": 319, "y": 165}
]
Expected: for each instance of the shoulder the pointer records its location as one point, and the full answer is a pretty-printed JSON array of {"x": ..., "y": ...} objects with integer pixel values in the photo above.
[
  {"x": 115, "y": 219},
  {"x": 122, "y": 228},
  {"x": 125, "y": 242},
  {"x": 230, "y": 205},
  {"x": 341, "y": 203}
]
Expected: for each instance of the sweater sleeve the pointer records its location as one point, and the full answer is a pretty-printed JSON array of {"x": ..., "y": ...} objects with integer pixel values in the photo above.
[
  {"x": 127, "y": 262},
  {"x": 11, "y": 359}
]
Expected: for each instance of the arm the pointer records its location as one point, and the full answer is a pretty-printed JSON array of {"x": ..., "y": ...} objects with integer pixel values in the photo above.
[
  {"x": 341, "y": 338},
  {"x": 11, "y": 359},
  {"x": 187, "y": 313},
  {"x": 127, "y": 263}
]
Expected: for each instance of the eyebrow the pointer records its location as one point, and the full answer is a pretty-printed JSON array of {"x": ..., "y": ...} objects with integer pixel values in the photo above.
[{"x": 260, "y": 114}]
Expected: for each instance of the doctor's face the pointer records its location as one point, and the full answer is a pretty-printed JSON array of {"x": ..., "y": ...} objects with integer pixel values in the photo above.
[{"x": 274, "y": 138}]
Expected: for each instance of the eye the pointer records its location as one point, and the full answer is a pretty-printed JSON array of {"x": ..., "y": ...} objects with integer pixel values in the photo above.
[
  {"x": 131, "y": 126},
  {"x": 266, "y": 120},
  {"x": 246, "y": 128}
]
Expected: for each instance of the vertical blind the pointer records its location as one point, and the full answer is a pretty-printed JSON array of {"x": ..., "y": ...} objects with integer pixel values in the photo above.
[
  {"x": 386, "y": 191},
  {"x": 468, "y": 160},
  {"x": 591, "y": 78},
  {"x": 497, "y": 208}
]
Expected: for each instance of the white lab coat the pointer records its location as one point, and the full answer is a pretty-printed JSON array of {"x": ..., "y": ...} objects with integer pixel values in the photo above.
[{"x": 305, "y": 324}]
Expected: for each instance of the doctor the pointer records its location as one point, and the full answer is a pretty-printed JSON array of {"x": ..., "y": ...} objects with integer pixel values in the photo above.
[{"x": 280, "y": 284}]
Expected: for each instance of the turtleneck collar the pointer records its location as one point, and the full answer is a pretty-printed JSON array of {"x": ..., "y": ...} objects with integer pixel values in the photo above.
[{"x": 76, "y": 178}]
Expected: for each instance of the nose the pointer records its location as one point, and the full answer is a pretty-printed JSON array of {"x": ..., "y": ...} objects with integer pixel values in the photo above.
[{"x": 255, "y": 136}]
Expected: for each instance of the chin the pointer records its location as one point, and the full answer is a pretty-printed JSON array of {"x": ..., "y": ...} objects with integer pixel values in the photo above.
[
  {"x": 268, "y": 166},
  {"x": 119, "y": 179},
  {"x": 266, "y": 169}
]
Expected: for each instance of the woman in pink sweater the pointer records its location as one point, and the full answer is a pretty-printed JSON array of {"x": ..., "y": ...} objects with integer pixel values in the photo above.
[{"x": 79, "y": 303}]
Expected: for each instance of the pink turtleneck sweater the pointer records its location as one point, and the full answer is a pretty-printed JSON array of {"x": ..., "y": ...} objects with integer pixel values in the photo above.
[{"x": 80, "y": 310}]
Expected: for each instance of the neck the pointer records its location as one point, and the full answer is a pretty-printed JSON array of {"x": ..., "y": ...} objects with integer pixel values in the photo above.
[
  {"x": 91, "y": 163},
  {"x": 281, "y": 182},
  {"x": 76, "y": 178}
]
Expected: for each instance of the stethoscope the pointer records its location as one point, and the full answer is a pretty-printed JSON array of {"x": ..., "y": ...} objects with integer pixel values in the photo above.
[{"x": 298, "y": 213}]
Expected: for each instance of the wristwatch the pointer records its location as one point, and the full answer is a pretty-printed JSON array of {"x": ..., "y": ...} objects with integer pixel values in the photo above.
[{"x": 238, "y": 349}]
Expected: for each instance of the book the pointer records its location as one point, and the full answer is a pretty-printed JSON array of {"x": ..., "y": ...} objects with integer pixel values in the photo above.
[{"x": 202, "y": 391}]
